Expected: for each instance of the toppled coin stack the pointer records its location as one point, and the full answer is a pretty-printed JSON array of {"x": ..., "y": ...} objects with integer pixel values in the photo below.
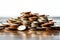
[{"x": 32, "y": 21}]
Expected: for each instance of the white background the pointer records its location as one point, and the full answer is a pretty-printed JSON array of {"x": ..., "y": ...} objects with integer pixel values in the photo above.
[{"x": 11, "y": 8}]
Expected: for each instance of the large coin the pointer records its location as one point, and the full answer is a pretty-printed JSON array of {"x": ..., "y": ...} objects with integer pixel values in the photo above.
[{"x": 22, "y": 27}]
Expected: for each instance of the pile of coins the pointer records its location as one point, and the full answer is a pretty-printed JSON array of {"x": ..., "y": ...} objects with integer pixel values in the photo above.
[{"x": 31, "y": 21}]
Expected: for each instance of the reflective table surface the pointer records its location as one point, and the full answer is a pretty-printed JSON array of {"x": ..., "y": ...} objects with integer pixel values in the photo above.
[{"x": 30, "y": 35}]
